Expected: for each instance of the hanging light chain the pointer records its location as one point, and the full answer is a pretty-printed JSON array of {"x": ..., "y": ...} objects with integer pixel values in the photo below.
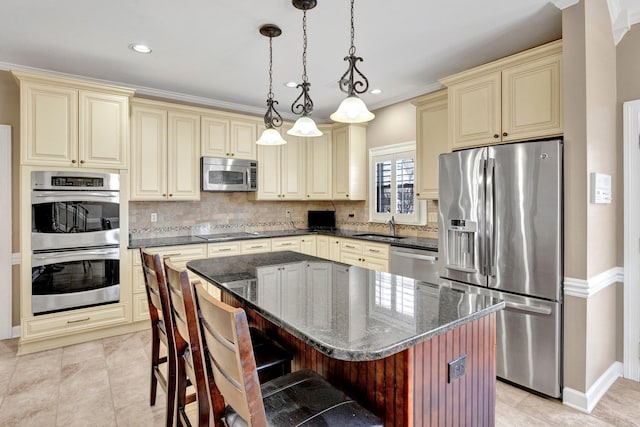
[
  {"x": 272, "y": 118},
  {"x": 303, "y": 105},
  {"x": 352, "y": 49},
  {"x": 270, "y": 94}
]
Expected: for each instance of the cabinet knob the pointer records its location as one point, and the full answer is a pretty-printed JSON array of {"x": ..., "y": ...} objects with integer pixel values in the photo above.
[
  {"x": 228, "y": 154},
  {"x": 505, "y": 134},
  {"x": 73, "y": 161},
  {"x": 496, "y": 135},
  {"x": 308, "y": 196},
  {"x": 347, "y": 196},
  {"x": 81, "y": 162},
  {"x": 233, "y": 154},
  {"x": 417, "y": 194},
  {"x": 164, "y": 195},
  {"x": 170, "y": 195}
]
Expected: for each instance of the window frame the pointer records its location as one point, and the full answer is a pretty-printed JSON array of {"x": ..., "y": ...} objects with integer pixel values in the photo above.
[{"x": 393, "y": 152}]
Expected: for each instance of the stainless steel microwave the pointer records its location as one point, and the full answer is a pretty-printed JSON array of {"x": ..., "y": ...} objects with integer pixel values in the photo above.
[{"x": 222, "y": 174}]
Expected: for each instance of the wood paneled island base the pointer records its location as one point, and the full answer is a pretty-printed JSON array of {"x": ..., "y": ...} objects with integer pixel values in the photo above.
[{"x": 411, "y": 387}]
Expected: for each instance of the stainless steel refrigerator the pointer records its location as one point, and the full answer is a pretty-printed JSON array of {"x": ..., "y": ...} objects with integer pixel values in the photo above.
[{"x": 500, "y": 218}]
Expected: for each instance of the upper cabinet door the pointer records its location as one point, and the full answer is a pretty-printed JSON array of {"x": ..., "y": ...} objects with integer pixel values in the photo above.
[
  {"x": 243, "y": 139},
  {"x": 431, "y": 141},
  {"x": 49, "y": 119},
  {"x": 475, "y": 111},
  {"x": 148, "y": 153},
  {"x": 104, "y": 131},
  {"x": 183, "y": 165},
  {"x": 532, "y": 99},
  {"x": 318, "y": 183},
  {"x": 215, "y": 136},
  {"x": 268, "y": 177},
  {"x": 349, "y": 162},
  {"x": 292, "y": 169}
]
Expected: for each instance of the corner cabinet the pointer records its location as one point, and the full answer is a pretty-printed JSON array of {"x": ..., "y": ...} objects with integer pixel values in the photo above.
[
  {"x": 349, "y": 162},
  {"x": 513, "y": 99},
  {"x": 431, "y": 141},
  {"x": 165, "y": 152},
  {"x": 227, "y": 135},
  {"x": 72, "y": 123}
]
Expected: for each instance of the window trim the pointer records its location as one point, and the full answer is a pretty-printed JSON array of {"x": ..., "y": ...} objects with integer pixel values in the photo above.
[{"x": 378, "y": 153}]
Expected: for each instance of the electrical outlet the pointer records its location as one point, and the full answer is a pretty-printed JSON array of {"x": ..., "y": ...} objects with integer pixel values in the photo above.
[
  {"x": 457, "y": 367},
  {"x": 288, "y": 212},
  {"x": 432, "y": 217},
  {"x": 154, "y": 217}
]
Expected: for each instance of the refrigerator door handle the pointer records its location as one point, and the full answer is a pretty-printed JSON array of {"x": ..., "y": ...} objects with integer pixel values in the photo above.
[
  {"x": 527, "y": 308},
  {"x": 490, "y": 253}
]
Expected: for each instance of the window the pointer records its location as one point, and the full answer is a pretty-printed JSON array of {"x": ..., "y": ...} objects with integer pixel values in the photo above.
[{"x": 392, "y": 183}]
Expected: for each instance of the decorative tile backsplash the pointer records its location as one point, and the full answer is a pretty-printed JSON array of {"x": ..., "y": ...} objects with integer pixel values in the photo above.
[{"x": 233, "y": 212}]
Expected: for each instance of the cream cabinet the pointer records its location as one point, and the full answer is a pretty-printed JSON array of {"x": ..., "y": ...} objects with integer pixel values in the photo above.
[
  {"x": 290, "y": 243},
  {"x": 178, "y": 255},
  {"x": 223, "y": 249},
  {"x": 228, "y": 135},
  {"x": 72, "y": 123},
  {"x": 322, "y": 247},
  {"x": 513, "y": 99},
  {"x": 281, "y": 170},
  {"x": 431, "y": 141},
  {"x": 308, "y": 245},
  {"x": 365, "y": 254},
  {"x": 349, "y": 162},
  {"x": 165, "y": 152},
  {"x": 255, "y": 246},
  {"x": 319, "y": 166}
]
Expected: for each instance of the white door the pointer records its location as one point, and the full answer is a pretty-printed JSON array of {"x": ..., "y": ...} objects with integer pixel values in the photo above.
[
  {"x": 5, "y": 230},
  {"x": 632, "y": 240}
]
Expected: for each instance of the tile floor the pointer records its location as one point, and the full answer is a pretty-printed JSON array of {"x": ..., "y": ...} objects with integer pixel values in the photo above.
[{"x": 105, "y": 383}]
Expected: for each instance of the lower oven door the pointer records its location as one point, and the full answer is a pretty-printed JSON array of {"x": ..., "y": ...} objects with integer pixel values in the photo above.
[{"x": 66, "y": 280}]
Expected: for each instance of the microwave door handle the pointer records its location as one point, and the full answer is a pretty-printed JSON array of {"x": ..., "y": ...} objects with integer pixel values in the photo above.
[{"x": 248, "y": 172}]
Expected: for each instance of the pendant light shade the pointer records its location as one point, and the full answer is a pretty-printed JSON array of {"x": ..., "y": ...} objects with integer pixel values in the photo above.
[
  {"x": 272, "y": 118},
  {"x": 352, "y": 109},
  {"x": 303, "y": 105},
  {"x": 271, "y": 137},
  {"x": 305, "y": 126}
]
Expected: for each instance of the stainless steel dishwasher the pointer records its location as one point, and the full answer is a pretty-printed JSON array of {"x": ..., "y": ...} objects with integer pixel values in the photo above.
[{"x": 421, "y": 264}]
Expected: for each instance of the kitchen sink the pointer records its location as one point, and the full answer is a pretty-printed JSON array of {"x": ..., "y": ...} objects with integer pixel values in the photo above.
[{"x": 379, "y": 236}]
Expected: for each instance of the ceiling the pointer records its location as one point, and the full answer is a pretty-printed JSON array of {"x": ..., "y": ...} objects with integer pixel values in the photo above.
[{"x": 211, "y": 53}]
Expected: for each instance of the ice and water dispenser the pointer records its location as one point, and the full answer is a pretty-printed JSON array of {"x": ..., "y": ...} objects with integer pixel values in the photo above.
[{"x": 460, "y": 255}]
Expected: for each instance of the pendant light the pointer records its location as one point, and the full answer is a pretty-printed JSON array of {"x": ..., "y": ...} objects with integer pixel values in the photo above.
[
  {"x": 303, "y": 105},
  {"x": 272, "y": 118},
  {"x": 352, "y": 109}
]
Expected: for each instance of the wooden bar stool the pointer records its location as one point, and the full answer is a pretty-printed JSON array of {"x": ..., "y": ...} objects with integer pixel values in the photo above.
[
  {"x": 162, "y": 331},
  {"x": 190, "y": 365},
  {"x": 299, "y": 398}
]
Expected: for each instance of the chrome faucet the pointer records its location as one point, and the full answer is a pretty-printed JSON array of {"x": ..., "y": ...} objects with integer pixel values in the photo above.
[{"x": 392, "y": 226}]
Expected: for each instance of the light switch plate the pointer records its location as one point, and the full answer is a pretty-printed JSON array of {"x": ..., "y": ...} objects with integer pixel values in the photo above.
[
  {"x": 432, "y": 217},
  {"x": 457, "y": 367}
]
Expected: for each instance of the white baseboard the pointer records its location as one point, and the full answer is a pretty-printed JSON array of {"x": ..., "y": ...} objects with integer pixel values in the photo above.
[
  {"x": 15, "y": 332},
  {"x": 585, "y": 402},
  {"x": 585, "y": 288}
]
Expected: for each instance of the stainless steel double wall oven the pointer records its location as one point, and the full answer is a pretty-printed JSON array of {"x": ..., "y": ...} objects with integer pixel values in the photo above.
[{"x": 75, "y": 239}]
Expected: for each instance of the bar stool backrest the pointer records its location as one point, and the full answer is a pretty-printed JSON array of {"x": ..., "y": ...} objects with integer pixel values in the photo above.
[{"x": 229, "y": 357}]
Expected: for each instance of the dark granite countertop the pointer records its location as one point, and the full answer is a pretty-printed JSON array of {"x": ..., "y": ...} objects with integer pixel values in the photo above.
[
  {"x": 346, "y": 312},
  {"x": 402, "y": 241}
]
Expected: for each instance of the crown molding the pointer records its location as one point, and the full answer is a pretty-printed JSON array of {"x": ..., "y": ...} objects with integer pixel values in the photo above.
[
  {"x": 148, "y": 91},
  {"x": 563, "y": 4}
]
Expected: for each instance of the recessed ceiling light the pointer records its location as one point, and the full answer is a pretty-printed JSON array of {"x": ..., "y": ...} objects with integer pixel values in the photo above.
[
  {"x": 140, "y": 48},
  {"x": 376, "y": 91},
  {"x": 291, "y": 84}
]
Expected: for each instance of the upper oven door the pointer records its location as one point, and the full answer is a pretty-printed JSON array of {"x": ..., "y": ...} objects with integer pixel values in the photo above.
[{"x": 71, "y": 219}]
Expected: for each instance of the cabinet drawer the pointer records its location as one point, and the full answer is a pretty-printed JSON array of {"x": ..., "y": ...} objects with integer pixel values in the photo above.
[
  {"x": 137, "y": 278},
  {"x": 256, "y": 246},
  {"x": 285, "y": 244},
  {"x": 352, "y": 246},
  {"x": 223, "y": 249},
  {"x": 140, "y": 307},
  {"x": 375, "y": 250},
  {"x": 62, "y": 324},
  {"x": 180, "y": 255}
]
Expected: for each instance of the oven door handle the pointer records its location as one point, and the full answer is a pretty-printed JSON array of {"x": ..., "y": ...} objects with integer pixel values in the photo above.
[
  {"x": 45, "y": 258},
  {"x": 74, "y": 196}
]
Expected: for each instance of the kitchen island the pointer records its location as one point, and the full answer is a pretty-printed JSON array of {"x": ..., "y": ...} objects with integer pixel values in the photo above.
[{"x": 393, "y": 343}]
